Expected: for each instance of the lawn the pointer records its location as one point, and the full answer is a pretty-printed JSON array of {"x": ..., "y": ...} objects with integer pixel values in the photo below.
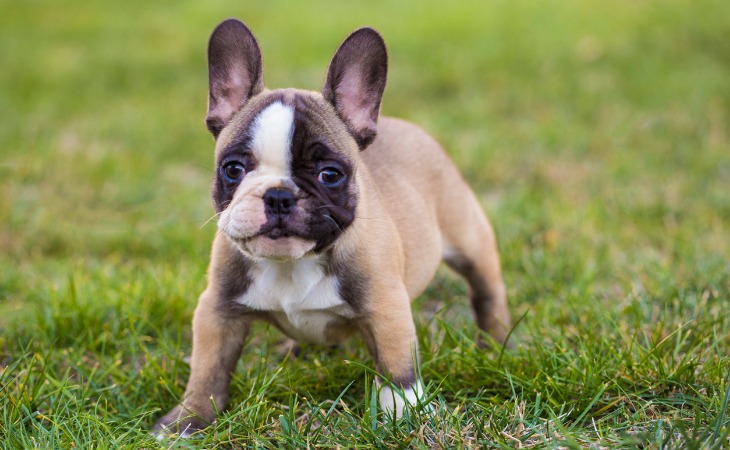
[{"x": 596, "y": 134}]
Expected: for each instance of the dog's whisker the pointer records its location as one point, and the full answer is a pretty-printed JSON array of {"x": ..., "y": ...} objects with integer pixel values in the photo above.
[
  {"x": 358, "y": 217},
  {"x": 266, "y": 270},
  {"x": 200, "y": 166},
  {"x": 333, "y": 221},
  {"x": 210, "y": 219}
]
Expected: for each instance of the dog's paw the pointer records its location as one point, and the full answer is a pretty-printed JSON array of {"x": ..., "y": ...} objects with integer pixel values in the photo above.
[
  {"x": 393, "y": 401},
  {"x": 179, "y": 421},
  {"x": 289, "y": 347}
]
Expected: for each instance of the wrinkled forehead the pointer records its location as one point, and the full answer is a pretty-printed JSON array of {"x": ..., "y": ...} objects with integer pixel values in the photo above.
[{"x": 281, "y": 120}]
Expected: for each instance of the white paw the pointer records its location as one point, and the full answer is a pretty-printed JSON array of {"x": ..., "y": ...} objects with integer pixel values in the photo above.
[{"x": 394, "y": 400}]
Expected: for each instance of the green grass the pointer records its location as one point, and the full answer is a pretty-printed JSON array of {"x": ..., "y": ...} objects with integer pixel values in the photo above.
[{"x": 595, "y": 133}]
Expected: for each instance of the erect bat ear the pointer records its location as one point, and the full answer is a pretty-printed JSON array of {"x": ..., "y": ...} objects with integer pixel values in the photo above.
[
  {"x": 356, "y": 81},
  {"x": 234, "y": 72}
]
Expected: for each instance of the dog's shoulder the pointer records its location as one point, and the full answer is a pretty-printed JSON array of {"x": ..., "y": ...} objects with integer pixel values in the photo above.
[{"x": 404, "y": 145}]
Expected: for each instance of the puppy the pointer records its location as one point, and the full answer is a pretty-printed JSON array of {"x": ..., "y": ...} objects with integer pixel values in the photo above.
[{"x": 331, "y": 220}]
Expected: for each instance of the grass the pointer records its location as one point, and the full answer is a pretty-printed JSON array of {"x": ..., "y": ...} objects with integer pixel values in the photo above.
[{"x": 596, "y": 135}]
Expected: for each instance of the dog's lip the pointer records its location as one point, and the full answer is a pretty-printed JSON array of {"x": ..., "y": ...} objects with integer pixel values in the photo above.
[
  {"x": 276, "y": 231},
  {"x": 244, "y": 242},
  {"x": 272, "y": 233}
]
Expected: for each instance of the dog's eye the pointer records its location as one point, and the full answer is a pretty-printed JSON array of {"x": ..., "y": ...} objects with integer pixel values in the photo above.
[
  {"x": 233, "y": 171},
  {"x": 330, "y": 177}
]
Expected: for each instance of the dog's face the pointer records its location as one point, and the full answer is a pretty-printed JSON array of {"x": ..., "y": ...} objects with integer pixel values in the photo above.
[
  {"x": 285, "y": 179},
  {"x": 286, "y": 161}
]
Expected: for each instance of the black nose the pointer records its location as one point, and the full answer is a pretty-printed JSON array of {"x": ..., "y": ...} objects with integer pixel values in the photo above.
[{"x": 278, "y": 201}]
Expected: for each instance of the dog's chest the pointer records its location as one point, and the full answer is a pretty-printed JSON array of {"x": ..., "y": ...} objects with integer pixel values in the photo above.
[{"x": 300, "y": 297}]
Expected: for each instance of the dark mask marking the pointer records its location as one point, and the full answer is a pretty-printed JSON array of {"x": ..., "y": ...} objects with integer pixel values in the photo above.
[
  {"x": 331, "y": 210},
  {"x": 353, "y": 285},
  {"x": 232, "y": 280}
]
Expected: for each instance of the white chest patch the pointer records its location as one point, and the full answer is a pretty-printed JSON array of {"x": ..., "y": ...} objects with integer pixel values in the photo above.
[
  {"x": 299, "y": 295},
  {"x": 272, "y": 133}
]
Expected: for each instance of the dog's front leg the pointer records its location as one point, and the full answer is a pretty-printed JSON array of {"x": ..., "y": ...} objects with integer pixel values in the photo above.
[
  {"x": 217, "y": 342},
  {"x": 390, "y": 335}
]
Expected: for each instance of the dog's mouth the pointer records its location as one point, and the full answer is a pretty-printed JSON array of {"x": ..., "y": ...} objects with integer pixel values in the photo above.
[
  {"x": 277, "y": 231},
  {"x": 275, "y": 243}
]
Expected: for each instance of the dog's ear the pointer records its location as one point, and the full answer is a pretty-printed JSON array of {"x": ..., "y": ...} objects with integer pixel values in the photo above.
[
  {"x": 234, "y": 72},
  {"x": 356, "y": 81}
]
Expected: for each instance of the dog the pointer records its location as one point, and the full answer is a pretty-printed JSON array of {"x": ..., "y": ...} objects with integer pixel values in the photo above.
[{"x": 331, "y": 220}]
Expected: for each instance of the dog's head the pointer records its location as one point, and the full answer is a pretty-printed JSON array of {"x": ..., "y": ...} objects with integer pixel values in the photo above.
[{"x": 286, "y": 160}]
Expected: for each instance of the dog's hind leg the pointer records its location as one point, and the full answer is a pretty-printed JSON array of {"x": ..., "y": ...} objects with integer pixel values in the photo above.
[{"x": 470, "y": 248}]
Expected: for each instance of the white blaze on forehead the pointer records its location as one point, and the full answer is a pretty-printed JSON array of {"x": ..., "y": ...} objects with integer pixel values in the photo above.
[{"x": 271, "y": 139}]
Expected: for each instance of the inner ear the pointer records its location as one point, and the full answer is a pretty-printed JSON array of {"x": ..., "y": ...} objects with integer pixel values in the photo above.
[
  {"x": 234, "y": 72},
  {"x": 355, "y": 83}
]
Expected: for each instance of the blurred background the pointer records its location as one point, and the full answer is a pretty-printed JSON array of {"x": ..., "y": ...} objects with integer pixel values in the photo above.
[{"x": 595, "y": 133}]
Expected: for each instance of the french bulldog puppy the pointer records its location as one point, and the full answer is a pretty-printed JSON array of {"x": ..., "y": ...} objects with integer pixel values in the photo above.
[{"x": 331, "y": 221}]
